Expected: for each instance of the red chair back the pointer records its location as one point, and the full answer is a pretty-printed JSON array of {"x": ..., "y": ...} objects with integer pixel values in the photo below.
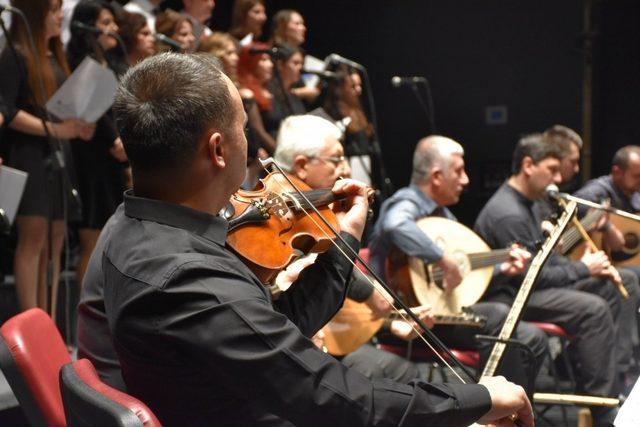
[
  {"x": 31, "y": 355},
  {"x": 87, "y": 399}
]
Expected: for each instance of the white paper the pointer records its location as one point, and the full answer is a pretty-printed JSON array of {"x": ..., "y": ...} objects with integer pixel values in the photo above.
[
  {"x": 87, "y": 94},
  {"x": 629, "y": 414},
  {"x": 246, "y": 40},
  {"x": 311, "y": 63},
  {"x": 12, "y": 182},
  {"x": 361, "y": 168}
]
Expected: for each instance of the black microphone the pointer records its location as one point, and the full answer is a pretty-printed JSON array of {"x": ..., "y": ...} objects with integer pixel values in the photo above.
[
  {"x": 168, "y": 41},
  {"x": 274, "y": 52},
  {"x": 327, "y": 75},
  {"x": 406, "y": 81},
  {"x": 334, "y": 57},
  {"x": 84, "y": 27}
]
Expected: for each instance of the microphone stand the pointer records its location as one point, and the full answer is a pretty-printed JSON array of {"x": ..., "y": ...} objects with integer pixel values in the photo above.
[
  {"x": 425, "y": 105},
  {"x": 54, "y": 163},
  {"x": 591, "y": 204},
  {"x": 387, "y": 187}
]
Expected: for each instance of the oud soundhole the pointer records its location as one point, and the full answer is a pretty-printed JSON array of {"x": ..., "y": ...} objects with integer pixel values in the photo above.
[{"x": 631, "y": 242}]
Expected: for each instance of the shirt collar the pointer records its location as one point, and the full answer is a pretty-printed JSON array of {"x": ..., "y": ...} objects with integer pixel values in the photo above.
[
  {"x": 211, "y": 227},
  {"x": 521, "y": 197},
  {"x": 428, "y": 203}
]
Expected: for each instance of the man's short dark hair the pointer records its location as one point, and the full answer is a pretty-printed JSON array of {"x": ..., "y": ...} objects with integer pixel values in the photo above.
[
  {"x": 163, "y": 106},
  {"x": 536, "y": 147},
  {"x": 622, "y": 156},
  {"x": 565, "y": 134}
]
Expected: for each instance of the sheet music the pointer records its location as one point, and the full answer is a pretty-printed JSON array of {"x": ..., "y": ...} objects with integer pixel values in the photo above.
[
  {"x": 12, "y": 182},
  {"x": 87, "y": 94},
  {"x": 629, "y": 414},
  {"x": 311, "y": 63}
]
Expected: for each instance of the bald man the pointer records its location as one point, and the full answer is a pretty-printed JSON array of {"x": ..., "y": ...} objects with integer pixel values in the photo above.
[{"x": 437, "y": 181}]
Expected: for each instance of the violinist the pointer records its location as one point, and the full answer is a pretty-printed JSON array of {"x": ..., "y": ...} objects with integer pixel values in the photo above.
[
  {"x": 197, "y": 335},
  {"x": 309, "y": 148},
  {"x": 437, "y": 181}
]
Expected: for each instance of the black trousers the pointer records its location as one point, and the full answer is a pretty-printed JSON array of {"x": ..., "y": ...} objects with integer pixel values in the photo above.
[
  {"x": 587, "y": 312},
  {"x": 376, "y": 363}
]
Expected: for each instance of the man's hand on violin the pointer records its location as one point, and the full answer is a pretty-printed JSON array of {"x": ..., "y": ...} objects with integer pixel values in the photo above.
[
  {"x": 518, "y": 260},
  {"x": 409, "y": 330},
  {"x": 508, "y": 402},
  {"x": 352, "y": 211}
]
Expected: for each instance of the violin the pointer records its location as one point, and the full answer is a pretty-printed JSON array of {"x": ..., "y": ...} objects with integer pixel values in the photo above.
[
  {"x": 272, "y": 225},
  {"x": 282, "y": 219}
]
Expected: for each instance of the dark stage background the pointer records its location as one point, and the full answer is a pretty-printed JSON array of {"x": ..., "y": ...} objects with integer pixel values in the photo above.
[{"x": 525, "y": 55}]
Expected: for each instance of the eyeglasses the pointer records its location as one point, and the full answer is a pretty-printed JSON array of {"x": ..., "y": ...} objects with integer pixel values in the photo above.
[{"x": 336, "y": 160}]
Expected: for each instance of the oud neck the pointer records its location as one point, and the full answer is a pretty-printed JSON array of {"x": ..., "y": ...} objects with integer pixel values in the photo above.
[
  {"x": 488, "y": 259},
  {"x": 573, "y": 236}
]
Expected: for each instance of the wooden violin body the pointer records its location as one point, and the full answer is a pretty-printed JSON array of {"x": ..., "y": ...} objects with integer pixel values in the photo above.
[{"x": 272, "y": 225}]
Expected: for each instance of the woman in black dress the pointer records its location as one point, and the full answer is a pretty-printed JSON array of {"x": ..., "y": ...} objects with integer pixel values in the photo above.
[
  {"x": 29, "y": 149},
  {"x": 285, "y": 103},
  {"x": 99, "y": 163}
]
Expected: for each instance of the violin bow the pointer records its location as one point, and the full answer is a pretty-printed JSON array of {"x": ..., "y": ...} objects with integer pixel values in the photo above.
[{"x": 435, "y": 341}]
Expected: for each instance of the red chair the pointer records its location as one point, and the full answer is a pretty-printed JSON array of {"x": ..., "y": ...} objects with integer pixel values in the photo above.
[
  {"x": 31, "y": 355},
  {"x": 90, "y": 402}
]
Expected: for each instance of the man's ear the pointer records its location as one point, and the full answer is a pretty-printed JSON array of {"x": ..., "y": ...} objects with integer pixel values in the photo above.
[
  {"x": 299, "y": 167},
  {"x": 215, "y": 150},
  {"x": 527, "y": 164},
  {"x": 436, "y": 175}
]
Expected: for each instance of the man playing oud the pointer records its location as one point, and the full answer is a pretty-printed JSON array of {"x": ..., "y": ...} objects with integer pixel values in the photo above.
[{"x": 437, "y": 181}]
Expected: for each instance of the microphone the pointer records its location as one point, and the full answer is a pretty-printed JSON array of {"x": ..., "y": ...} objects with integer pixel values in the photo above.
[
  {"x": 553, "y": 191},
  {"x": 406, "y": 81},
  {"x": 274, "y": 52},
  {"x": 327, "y": 75},
  {"x": 174, "y": 45},
  {"x": 84, "y": 27},
  {"x": 334, "y": 57}
]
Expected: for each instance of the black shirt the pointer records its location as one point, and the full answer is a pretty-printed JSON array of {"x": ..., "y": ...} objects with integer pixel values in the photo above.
[
  {"x": 603, "y": 187},
  {"x": 201, "y": 342},
  {"x": 508, "y": 218}
]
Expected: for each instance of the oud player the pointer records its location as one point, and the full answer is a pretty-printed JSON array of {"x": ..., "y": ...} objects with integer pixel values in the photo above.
[{"x": 437, "y": 181}]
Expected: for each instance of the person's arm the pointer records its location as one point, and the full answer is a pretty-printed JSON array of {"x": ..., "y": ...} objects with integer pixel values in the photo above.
[
  {"x": 400, "y": 225},
  {"x": 14, "y": 91},
  {"x": 228, "y": 328},
  {"x": 319, "y": 291},
  {"x": 597, "y": 193},
  {"x": 558, "y": 271},
  {"x": 403, "y": 231}
]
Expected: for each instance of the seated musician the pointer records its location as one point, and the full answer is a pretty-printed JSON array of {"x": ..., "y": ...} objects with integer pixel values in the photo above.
[
  {"x": 196, "y": 333},
  {"x": 309, "y": 148},
  {"x": 621, "y": 187},
  {"x": 575, "y": 295},
  {"x": 437, "y": 181},
  {"x": 598, "y": 190}
]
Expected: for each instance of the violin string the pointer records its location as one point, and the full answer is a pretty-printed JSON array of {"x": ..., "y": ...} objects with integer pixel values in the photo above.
[{"x": 383, "y": 294}]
